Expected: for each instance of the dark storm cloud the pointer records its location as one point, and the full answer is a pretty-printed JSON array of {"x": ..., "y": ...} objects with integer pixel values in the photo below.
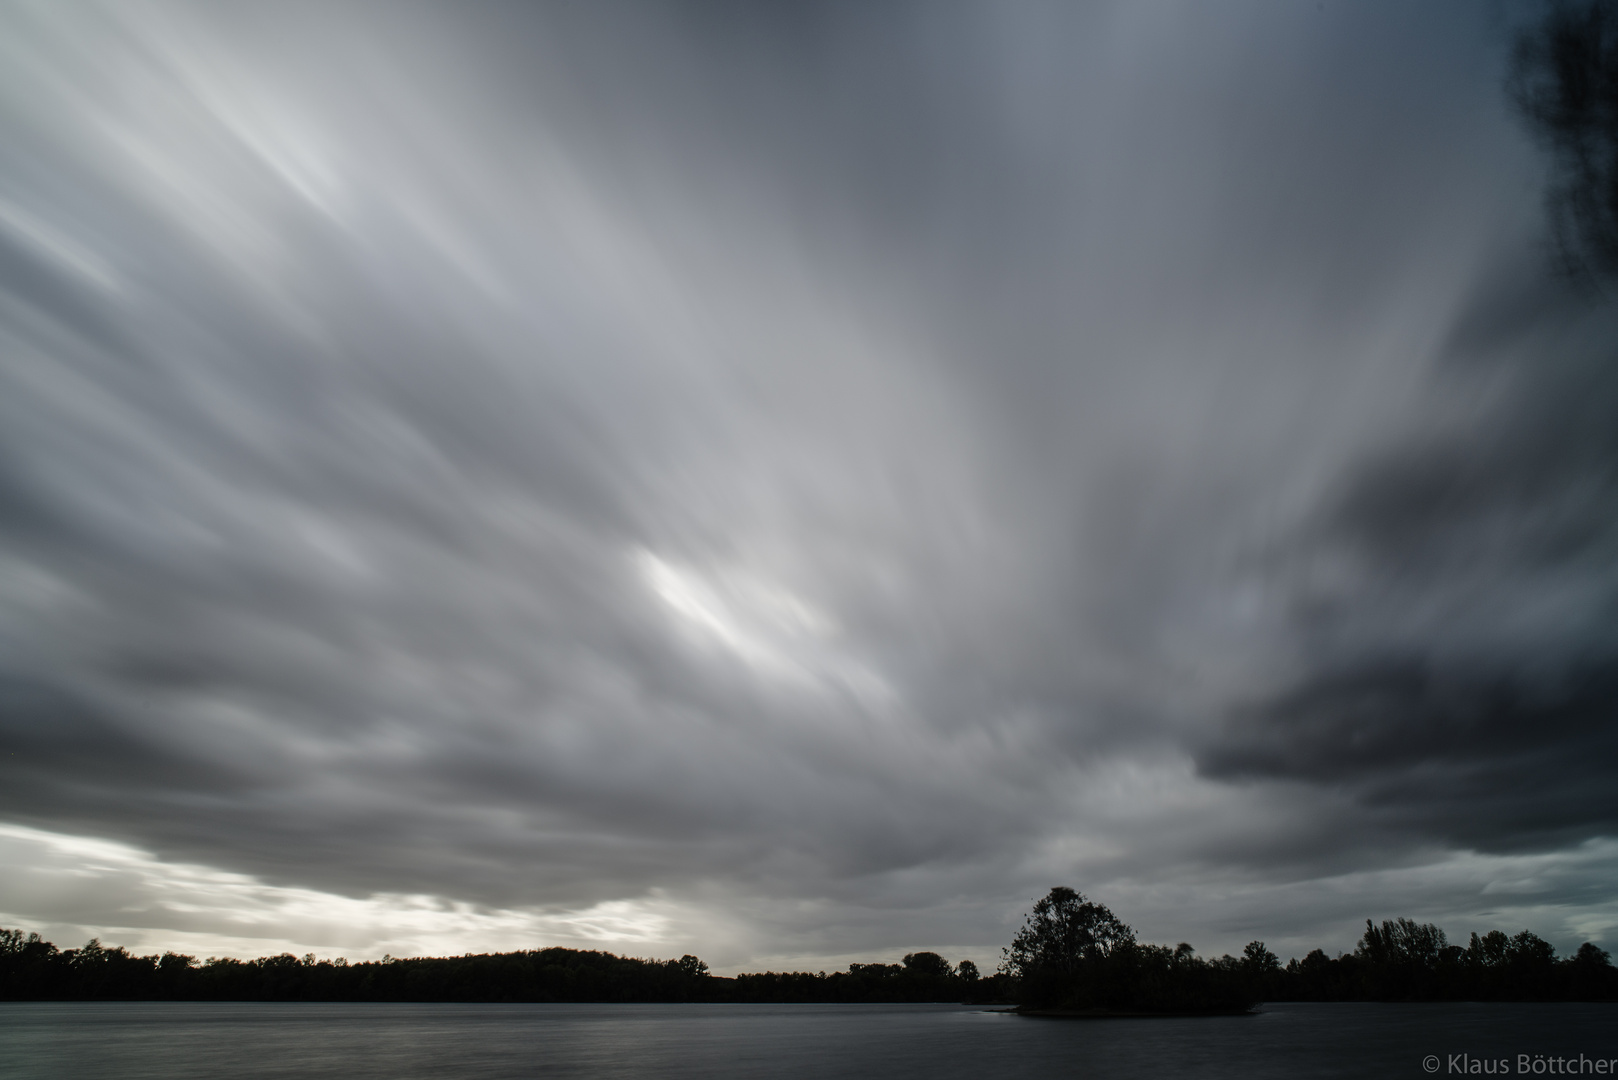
[
  {"x": 887, "y": 459},
  {"x": 1466, "y": 682},
  {"x": 1488, "y": 761}
]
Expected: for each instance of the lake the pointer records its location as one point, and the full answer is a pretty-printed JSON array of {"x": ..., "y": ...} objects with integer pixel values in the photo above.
[{"x": 179, "y": 1040}]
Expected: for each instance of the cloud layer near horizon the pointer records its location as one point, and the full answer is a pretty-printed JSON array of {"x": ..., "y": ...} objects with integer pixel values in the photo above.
[{"x": 818, "y": 477}]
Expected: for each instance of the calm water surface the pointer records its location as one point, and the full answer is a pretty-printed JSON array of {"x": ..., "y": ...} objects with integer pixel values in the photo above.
[{"x": 176, "y": 1040}]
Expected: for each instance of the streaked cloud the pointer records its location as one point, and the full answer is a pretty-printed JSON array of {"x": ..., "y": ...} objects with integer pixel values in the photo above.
[{"x": 791, "y": 484}]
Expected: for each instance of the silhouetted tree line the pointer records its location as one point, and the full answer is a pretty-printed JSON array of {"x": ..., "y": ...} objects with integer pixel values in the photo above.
[
  {"x": 1073, "y": 955},
  {"x": 923, "y": 976},
  {"x": 35, "y": 970},
  {"x": 1402, "y": 960}
]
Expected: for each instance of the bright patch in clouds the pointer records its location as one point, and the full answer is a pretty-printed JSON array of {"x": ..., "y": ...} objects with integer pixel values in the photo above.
[
  {"x": 774, "y": 632},
  {"x": 71, "y": 888},
  {"x": 744, "y": 619}
]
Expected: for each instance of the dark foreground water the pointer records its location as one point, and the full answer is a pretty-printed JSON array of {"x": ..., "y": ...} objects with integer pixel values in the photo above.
[{"x": 177, "y": 1040}]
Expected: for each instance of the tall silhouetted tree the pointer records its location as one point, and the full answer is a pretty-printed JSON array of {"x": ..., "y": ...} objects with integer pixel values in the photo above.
[
  {"x": 1565, "y": 81},
  {"x": 1400, "y": 958},
  {"x": 1063, "y": 930},
  {"x": 1259, "y": 960},
  {"x": 927, "y": 964}
]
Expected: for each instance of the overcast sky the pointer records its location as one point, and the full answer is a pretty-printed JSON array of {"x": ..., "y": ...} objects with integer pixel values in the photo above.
[{"x": 792, "y": 483}]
